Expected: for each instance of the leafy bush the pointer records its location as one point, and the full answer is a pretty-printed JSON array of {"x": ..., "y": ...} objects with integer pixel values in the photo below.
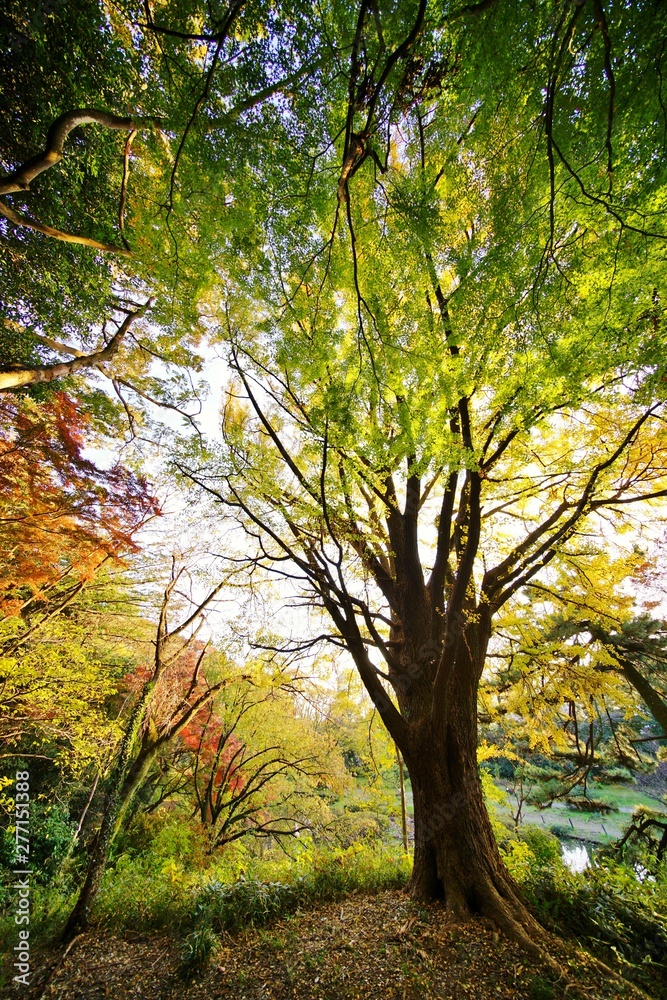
[
  {"x": 162, "y": 835},
  {"x": 146, "y": 891},
  {"x": 590, "y": 805},
  {"x": 49, "y": 908},
  {"x": 545, "y": 846},
  {"x": 51, "y": 832},
  {"x": 561, "y": 832},
  {"x": 237, "y": 888},
  {"x": 545, "y": 792},
  {"x": 230, "y": 907},
  {"x": 314, "y": 875},
  {"x": 197, "y": 950},
  {"x": 619, "y": 906},
  {"x": 499, "y": 767},
  {"x": 606, "y": 904},
  {"x": 356, "y": 826},
  {"x": 617, "y": 774}
]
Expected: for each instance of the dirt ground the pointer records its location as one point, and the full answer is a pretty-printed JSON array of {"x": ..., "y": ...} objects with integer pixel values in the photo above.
[{"x": 381, "y": 947}]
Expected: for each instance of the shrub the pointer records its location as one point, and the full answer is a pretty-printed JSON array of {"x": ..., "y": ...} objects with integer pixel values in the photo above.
[
  {"x": 152, "y": 890},
  {"x": 561, "y": 832},
  {"x": 51, "y": 832},
  {"x": 617, "y": 774},
  {"x": 544, "y": 793},
  {"x": 355, "y": 827},
  {"x": 545, "y": 846},
  {"x": 196, "y": 952},
  {"x": 142, "y": 892},
  {"x": 49, "y": 908},
  {"x": 606, "y": 904},
  {"x": 590, "y": 805},
  {"x": 314, "y": 875},
  {"x": 230, "y": 907},
  {"x": 162, "y": 835}
]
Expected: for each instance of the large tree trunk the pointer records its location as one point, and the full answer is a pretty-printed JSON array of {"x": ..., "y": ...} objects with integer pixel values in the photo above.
[{"x": 456, "y": 857}]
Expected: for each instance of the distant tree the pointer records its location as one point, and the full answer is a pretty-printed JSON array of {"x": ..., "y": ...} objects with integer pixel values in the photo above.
[
  {"x": 252, "y": 764},
  {"x": 580, "y": 651},
  {"x": 140, "y": 741}
]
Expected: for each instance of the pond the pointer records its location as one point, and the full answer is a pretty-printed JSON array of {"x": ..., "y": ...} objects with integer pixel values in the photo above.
[{"x": 575, "y": 855}]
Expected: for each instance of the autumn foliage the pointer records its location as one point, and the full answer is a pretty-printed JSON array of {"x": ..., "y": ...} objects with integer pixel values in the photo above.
[{"x": 60, "y": 513}]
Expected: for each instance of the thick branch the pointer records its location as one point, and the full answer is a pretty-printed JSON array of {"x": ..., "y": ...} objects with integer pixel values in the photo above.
[
  {"x": 12, "y": 377},
  {"x": 19, "y": 181},
  {"x": 23, "y": 176},
  {"x": 60, "y": 234}
]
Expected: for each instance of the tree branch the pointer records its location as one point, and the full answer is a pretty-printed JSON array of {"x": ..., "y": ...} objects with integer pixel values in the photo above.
[{"x": 13, "y": 377}]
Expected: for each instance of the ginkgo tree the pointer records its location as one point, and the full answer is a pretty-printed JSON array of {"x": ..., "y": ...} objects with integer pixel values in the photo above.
[
  {"x": 336, "y": 503},
  {"x": 436, "y": 396},
  {"x": 574, "y": 653}
]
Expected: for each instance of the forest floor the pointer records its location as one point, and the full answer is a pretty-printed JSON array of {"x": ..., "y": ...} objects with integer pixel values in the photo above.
[{"x": 383, "y": 947}]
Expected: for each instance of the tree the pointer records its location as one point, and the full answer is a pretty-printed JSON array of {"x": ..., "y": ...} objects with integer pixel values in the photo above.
[
  {"x": 61, "y": 515},
  {"x": 121, "y": 117},
  {"x": 337, "y": 509},
  {"x": 432, "y": 234},
  {"x": 578, "y": 649},
  {"x": 136, "y": 751},
  {"x": 253, "y": 764},
  {"x": 440, "y": 394}
]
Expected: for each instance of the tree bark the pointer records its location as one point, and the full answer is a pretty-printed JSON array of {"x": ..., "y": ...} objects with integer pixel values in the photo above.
[
  {"x": 80, "y": 916},
  {"x": 652, "y": 698},
  {"x": 456, "y": 857}
]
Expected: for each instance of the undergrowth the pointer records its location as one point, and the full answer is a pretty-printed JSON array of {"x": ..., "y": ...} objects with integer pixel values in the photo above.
[
  {"x": 617, "y": 908},
  {"x": 162, "y": 879},
  {"x": 238, "y": 889}
]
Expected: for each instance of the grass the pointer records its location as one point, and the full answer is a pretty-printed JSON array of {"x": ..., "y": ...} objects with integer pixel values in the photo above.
[{"x": 590, "y": 826}]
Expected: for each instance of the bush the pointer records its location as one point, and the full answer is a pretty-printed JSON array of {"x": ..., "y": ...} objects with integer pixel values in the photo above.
[
  {"x": 237, "y": 889},
  {"x": 51, "y": 833},
  {"x": 49, "y": 908},
  {"x": 196, "y": 952},
  {"x": 561, "y": 832},
  {"x": 356, "y": 826},
  {"x": 145, "y": 892},
  {"x": 230, "y": 907},
  {"x": 544, "y": 793},
  {"x": 606, "y": 904},
  {"x": 617, "y": 775},
  {"x": 313, "y": 876},
  {"x": 590, "y": 805},
  {"x": 545, "y": 846},
  {"x": 162, "y": 835}
]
